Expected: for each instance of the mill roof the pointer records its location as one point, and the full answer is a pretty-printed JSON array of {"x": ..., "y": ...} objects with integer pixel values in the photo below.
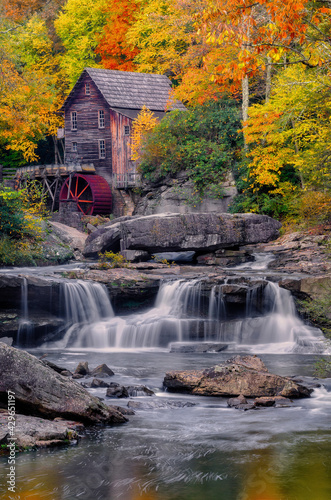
[{"x": 128, "y": 90}]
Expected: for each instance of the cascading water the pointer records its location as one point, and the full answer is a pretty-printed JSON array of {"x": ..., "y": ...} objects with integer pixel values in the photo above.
[
  {"x": 86, "y": 304},
  {"x": 182, "y": 313},
  {"x": 25, "y": 327},
  {"x": 278, "y": 330}
]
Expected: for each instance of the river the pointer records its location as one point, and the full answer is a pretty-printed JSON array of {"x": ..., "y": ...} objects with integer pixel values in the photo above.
[{"x": 179, "y": 447}]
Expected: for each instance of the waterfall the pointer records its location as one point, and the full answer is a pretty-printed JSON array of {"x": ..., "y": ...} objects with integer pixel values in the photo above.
[
  {"x": 86, "y": 306},
  {"x": 25, "y": 327},
  {"x": 185, "y": 313},
  {"x": 277, "y": 329}
]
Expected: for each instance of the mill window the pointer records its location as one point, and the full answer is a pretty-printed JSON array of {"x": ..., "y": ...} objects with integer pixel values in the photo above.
[
  {"x": 74, "y": 147},
  {"x": 102, "y": 149},
  {"x": 101, "y": 118},
  {"x": 87, "y": 89},
  {"x": 74, "y": 120},
  {"x": 126, "y": 130}
]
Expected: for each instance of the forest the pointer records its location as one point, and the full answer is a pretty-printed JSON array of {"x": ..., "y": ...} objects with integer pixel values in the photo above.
[{"x": 255, "y": 78}]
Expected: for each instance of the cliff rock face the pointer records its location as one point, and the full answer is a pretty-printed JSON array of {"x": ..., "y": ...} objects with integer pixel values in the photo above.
[
  {"x": 41, "y": 391},
  {"x": 246, "y": 375},
  {"x": 201, "y": 232},
  {"x": 176, "y": 195}
]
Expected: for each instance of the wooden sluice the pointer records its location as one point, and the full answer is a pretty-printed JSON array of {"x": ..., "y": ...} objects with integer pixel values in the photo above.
[{"x": 51, "y": 177}]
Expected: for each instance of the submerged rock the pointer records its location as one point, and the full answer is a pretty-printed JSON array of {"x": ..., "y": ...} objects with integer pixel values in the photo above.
[
  {"x": 41, "y": 391},
  {"x": 246, "y": 375},
  {"x": 36, "y": 432},
  {"x": 157, "y": 404},
  {"x": 196, "y": 347},
  {"x": 120, "y": 391}
]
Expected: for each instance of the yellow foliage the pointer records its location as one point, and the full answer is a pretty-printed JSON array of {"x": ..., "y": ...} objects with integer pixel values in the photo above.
[{"x": 144, "y": 123}]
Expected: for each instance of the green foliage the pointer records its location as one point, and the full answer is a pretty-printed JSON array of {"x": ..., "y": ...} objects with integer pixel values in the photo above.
[
  {"x": 11, "y": 212},
  {"x": 318, "y": 310},
  {"x": 20, "y": 225},
  {"x": 202, "y": 140},
  {"x": 110, "y": 260},
  {"x": 19, "y": 252}
]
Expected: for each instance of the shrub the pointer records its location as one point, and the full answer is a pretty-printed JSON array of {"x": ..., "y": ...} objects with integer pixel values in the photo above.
[
  {"x": 110, "y": 260},
  {"x": 202, "y": 140}
]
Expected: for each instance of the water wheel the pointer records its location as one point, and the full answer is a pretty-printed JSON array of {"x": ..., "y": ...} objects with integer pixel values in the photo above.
[{"x": 91, "y": 193}]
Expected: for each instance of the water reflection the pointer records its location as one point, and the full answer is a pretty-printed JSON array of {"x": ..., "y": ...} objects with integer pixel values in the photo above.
[{"x": 110, "y": 467}]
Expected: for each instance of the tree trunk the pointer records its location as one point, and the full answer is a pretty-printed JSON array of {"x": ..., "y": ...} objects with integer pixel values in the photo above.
[
  {"x": 268, "y": 80},
  {"x": 245, "y": 102}
]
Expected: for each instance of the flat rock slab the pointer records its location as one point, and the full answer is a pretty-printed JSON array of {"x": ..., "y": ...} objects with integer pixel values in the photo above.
[
  {"x": 241, "y": 375},
  {"x": 183, "y": 232},
  {"x": 41, "y": 391},
  {"x": 182, "y": 347},
  {"x": 36, "y": 432}
]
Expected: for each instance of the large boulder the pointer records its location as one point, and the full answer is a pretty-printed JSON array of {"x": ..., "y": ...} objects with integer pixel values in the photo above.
[
  {"x": 36, "y": 432},
  {"x": 41, "y": 391},
  {"x": 200, "y": 232},
  {"x": 241, "y": 375}
]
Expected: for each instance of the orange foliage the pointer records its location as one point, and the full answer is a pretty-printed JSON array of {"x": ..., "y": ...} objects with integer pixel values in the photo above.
[
  {"x": 259, "y": 30},
  {"x": 115, "y": 51}
]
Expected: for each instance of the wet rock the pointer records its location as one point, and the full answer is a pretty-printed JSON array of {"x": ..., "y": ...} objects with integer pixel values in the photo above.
[
  {"x": 98, "y": 383},
  {"x": 82, "y": 368},
  {"x": 120, "y": 391},
  {"x": 139, "y": 390},
  {"x": 33, "y": 432},
  {"x": 240, "y": 403},
  {"x": 246, "y": 375},
  {"x": 183, "y": 232},
  {"x": 40, "y": 391},
  {"x": 272, "y": 401},
  {"x": 157, "y": 404},
  {"x": 77, "y": 376},
  {"x": 123, "y": 411},
  {"x": 116, "y": 391},
  {"x": 197, "y": 347},
  {"x": 66, "y": 373},
  {"x": 102, "y": 371}
]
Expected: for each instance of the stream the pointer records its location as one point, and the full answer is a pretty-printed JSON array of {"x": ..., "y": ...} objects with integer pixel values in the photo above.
[{"x": 181, "y": 447}]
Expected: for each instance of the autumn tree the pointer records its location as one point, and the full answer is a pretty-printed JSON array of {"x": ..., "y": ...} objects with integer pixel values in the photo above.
[
  {"x": 113, "y": 46},
  {"x": 28, "y": 93},
  {"x": 79, "y": 25},
  {"x": 166, "y": 35}
]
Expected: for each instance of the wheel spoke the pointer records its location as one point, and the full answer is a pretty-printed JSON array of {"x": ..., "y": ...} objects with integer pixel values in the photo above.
[{"x": 80, "y": 194}]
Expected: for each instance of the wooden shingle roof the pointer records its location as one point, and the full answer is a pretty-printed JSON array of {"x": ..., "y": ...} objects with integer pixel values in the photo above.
[{"x": 123, "y": 89}]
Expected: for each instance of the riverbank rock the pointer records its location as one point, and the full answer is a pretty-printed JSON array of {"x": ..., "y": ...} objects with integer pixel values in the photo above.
[
  {"x": 300, "y": 252},
  {"x": 242, "y": 375},
  {"x": 41, "y": 391},
  {"x": 35, "y": 432},
  {"x": 201, "y": 232}
]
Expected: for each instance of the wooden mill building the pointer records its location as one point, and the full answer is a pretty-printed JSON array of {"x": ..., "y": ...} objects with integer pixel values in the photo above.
[
  {"x": 98, "y": 172},
  {"x": 98, "y": 119}
]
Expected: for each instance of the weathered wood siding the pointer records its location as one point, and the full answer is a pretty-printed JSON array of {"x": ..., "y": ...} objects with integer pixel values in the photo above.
[
  {"x": 88, "y": 132},
  {"x": 121, "y": 151}
]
